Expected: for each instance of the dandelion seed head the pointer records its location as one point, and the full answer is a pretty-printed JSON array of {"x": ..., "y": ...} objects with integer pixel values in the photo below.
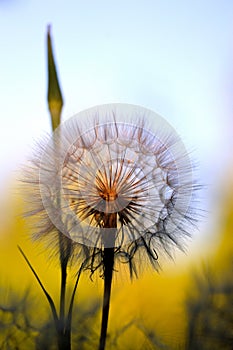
[{"x": 118, "y": 171}]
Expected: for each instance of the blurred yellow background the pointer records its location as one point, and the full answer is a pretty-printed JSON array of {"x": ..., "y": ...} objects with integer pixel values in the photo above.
[{"x": 175, "y": 59}]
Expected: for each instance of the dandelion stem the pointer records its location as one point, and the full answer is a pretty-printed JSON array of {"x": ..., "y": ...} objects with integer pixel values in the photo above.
[
  {"x": 108, "y": 263},
  {"x": 64, "y": 334},
  {"x": 63, "y": 291},
  {"x": 64, "y": 258}
]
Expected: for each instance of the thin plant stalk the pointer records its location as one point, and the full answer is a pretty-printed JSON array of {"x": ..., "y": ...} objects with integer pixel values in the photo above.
[
  {"x": 69, "y": 316},
  {"x": 108, "y": 265},
  {"x": 50, "y": 300},
  {"x": 62, "y": 325},
  {"x": 63, "y": 341},
  {"x": 55, "y": 104},
  {"x": 64, "y": 334}
]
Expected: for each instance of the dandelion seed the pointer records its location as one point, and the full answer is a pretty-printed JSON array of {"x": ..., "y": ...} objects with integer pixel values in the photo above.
[
  {"x": 107, "y": 179},
  {"x": 117, "y": 181}
]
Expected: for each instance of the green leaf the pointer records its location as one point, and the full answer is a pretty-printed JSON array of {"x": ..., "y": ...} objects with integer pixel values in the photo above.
[{"x": 55, "y": 100}]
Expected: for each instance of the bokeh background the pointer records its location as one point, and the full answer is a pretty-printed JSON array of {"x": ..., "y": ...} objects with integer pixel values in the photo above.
[{"x": 174, "y": 57}]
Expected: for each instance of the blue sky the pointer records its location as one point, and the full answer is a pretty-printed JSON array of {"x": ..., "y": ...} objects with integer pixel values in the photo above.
[{"x": 174, "y": 57}]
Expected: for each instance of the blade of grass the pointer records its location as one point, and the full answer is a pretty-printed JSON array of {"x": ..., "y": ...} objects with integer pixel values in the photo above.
[
  {"x": 69, "y": 316},
  {"x": 47, "y": 295}
]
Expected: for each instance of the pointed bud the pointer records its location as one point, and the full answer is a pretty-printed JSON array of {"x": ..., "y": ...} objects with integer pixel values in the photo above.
[{"x": 55, "y": 100}]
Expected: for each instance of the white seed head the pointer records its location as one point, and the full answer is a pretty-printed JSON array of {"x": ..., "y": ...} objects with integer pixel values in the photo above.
[{"x": 117, "y": 171}]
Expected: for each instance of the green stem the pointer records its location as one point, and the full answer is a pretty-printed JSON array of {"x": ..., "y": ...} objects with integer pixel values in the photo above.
[
  {"x": 110, "y": 221},
  {"x": 50, "y": 300},
  {"x": 64, "y": 257},
  {"x": 64, "y": 341},
  {"x": 108, "y": 261},
  {"x": 64, "y": 333},
  {"x": 69, "y": 317}
]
